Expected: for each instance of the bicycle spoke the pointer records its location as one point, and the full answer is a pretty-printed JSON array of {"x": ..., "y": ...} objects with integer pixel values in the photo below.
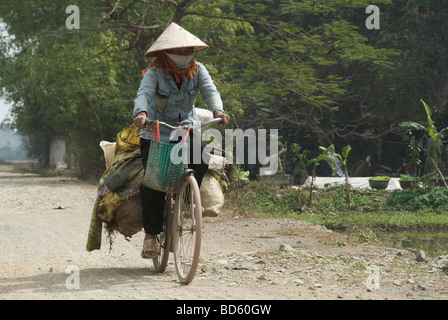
[
  {"x": 187, "y": 231},
  {"x": 164, "y": 239}
]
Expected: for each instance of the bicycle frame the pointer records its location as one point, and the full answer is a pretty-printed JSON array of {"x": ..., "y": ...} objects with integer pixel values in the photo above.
[
  {"x": 383, "y": 170},
  {"x": 181, "y": 208}
]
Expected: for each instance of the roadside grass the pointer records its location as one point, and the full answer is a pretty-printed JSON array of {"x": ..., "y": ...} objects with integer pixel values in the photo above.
[{"x": 374, "y": 215}]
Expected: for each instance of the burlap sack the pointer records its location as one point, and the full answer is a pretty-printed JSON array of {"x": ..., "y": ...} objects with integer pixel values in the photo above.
[
  {"x": 212, "y": 197},
  {"x": 129, "y": 216}
]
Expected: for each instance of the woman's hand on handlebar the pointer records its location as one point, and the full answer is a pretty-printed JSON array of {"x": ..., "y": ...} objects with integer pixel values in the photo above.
[
  {"x": 225, "y": 117},
  {"x": 140, "y": 120}
]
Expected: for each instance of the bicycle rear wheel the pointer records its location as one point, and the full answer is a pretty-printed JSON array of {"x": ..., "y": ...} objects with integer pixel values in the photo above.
[
  {"x": 187, "y": 230},
  {"x": 163, "y": 239}
]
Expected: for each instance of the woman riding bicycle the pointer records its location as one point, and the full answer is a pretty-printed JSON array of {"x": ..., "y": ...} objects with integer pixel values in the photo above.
[{"x": 167, "y": 93}]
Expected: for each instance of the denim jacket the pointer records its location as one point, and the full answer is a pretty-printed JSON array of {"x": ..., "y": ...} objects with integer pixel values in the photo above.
[{"x": 161, "y": 99}]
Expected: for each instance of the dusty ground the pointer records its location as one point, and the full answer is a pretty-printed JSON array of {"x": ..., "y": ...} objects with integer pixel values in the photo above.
[{"x": 43, "y": 231}]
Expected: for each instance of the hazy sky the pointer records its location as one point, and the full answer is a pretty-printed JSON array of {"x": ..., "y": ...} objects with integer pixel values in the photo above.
[{"x": 4, "y": 108}]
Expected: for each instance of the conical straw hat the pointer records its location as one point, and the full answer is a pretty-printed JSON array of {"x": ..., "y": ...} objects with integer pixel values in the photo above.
[{"x": 175, "y": 37}]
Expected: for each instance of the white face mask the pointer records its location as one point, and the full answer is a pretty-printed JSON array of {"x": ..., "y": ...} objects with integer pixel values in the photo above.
[{"x": 180, "y": 61}]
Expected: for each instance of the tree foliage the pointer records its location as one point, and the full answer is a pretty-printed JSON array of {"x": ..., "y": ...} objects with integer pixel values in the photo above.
[
  {"x": 310, "y": 68},
  {"x": 64, "y": 82}
]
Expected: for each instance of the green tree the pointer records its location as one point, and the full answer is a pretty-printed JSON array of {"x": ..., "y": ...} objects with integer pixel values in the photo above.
[
  {"x": 309, "y": 68},
  {"x": 75, "y": 83},
  {"x": 81, "y": 83}
]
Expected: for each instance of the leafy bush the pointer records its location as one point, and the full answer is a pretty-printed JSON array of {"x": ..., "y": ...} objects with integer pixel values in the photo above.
[
  {"x": 381, "y": 178},
  {"x": 405, "y": 177},
  {"x": 263, "y": 198},
  {"x": 418, "y": 199}
]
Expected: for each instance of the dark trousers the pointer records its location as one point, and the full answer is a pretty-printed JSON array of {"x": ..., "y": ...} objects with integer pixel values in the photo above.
[{"x": 153, "y": 201}]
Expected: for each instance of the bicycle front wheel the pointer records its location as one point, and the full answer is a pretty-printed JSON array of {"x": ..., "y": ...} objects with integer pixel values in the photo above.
[{"x": 187, "y": 230}]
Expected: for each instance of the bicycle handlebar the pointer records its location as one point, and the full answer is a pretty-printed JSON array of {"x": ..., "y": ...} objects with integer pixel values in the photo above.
[{"x": 166, "y": 125}]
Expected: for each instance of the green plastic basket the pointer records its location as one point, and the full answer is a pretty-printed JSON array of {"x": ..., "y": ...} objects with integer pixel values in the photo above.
[{"x": 162, "y": 173}]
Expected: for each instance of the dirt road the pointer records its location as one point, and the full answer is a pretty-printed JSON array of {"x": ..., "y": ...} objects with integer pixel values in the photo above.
[{"x": 43, "y": 231}]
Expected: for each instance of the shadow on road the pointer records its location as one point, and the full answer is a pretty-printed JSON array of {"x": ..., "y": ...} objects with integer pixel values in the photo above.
[{"x": 90, "y": 279}]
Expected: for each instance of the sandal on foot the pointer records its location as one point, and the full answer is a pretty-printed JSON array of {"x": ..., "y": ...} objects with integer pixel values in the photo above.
[{"x": 149, "y": 249}]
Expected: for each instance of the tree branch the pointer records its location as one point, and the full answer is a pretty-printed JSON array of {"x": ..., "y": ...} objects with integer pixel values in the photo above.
[
  {"x": 265, "y": 24},
  {"x": 113, "y": 9}
]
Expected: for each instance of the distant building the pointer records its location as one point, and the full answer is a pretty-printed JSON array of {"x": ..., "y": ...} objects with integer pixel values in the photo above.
[{"x": 59, "y": 155}]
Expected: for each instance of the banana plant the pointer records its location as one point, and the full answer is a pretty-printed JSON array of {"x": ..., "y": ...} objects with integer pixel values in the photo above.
[
  {"x": 435, "y": 139},
  {"x": 325, "y": 156},
  {"x": 315, "y": 163},
  {"x": 343, "y": 163}
]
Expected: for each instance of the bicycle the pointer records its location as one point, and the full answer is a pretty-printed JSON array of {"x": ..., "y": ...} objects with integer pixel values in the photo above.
[
  {"x": 378, "y": 169},
  {"x": 182, "y": 222}
]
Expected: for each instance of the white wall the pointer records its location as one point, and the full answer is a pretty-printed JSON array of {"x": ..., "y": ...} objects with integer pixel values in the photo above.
[{"x": 57, "y": 151}]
